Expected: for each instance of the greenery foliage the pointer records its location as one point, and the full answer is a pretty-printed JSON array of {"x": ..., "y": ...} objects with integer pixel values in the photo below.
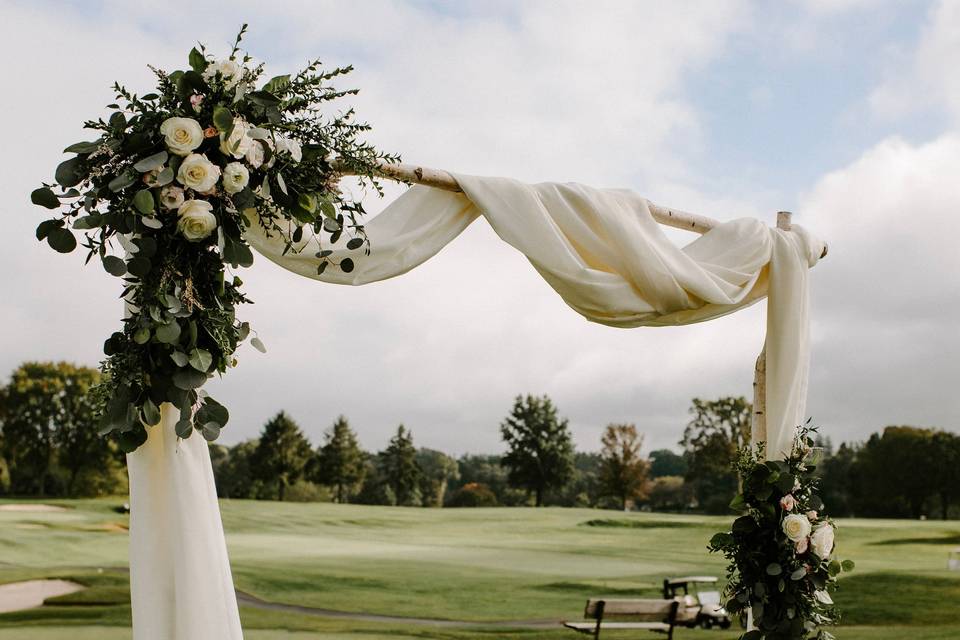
[
  {"x": 49, "y": 437},
  {"x": 281, "y": 455},
  {"x": 171, "y": 182},
  {"x": 540, "y": 451},
  {"x": 623, "y": 471},
  {"x": 340, "y": 462},
  {"x": 781, "y": 550},
  {"x": 717, "y": 431}
]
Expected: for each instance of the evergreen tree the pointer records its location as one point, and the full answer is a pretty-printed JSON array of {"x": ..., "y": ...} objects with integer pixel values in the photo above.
[
  {"x": 623, "y": 472},
  {"x": 399, "y": 468},
  {"x": 540, "y": 451},
  {"x": 341, "y": 462},
  {"x": 281, "y": 454}
]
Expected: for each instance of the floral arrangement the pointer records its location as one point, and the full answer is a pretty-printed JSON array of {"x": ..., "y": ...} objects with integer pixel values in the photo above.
[
  {"x": 162, "y": 198},
  {"x": 781, "y": 550}
]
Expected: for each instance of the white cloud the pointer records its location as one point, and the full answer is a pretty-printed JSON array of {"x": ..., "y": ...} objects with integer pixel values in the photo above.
[
  {"x": 887, "y": 350},
  {"x": 926, "y": 77}
]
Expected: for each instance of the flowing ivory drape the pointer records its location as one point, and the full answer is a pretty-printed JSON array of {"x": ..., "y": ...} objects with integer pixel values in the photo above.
[{"x": 600, "y": 249}]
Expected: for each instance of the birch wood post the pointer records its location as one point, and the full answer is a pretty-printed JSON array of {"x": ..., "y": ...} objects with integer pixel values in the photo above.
[{"x": 759, "y": 427}]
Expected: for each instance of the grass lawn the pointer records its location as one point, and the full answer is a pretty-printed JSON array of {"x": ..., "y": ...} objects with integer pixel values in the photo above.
[{"x": 468, "y": 564}]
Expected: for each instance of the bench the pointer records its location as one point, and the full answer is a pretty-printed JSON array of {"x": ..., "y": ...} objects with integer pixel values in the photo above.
[{"x": 619, "y": 614}]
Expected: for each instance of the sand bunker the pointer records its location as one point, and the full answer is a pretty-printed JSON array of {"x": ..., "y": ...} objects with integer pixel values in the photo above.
[
  {"x": 17, "y": 596},
  {"x": 33, "y": 508}
]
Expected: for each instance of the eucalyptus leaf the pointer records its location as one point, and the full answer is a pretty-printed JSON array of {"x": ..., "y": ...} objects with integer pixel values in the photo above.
[
  {"x": 122, "y": 181},
  {"x": 183, "y": 428},
  {"x": 774, "y": 569},
  {"x": 151, "y": 162},
  {"x": 139, "y": 267},
  {"x": 200, "y": 359},
  {"x": 210, "y": 431},
  {"x": 222, "y": 119},
  {"x": 197, "y": 62},
  {"x": 45, "y": 227},
  {"x": 257, "y": 344},
  {"x": 45, "y": 197},
  {"x": 189, "y": 379},
  {"x": 61, "y": 240},
  {"x": 169, "y": 333},
  {"x": 141, "y": 335},
  {"x": 151, "y": 223},
  {"x": 180, "y": 358},
  {"x": 165, "y": 177},
  {"x": 69, "y": 173},
  {"x": 150, "y": 413}
]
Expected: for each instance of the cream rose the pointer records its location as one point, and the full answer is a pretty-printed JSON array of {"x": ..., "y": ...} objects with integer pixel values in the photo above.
[
  {"x": 787, "y": 502},
  {"x": 239, "y": 142},
  {"x": 292, "y": 147},
  {"x": 196, "y": 220},
  {"x": 198, "y": 173},
  {"x": 255, "y": 154},
  {"x": 235, "y": 177},
  {"x": 230, "y": 72},
  {"x": 182, "y": 135},
  {"x": 171, "y": 197},
  {"x": 796, "y": 527},
  {"x": 822, "y": 541}
]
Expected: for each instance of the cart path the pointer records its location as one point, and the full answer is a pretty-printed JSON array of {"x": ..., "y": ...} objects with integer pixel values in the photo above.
[
  {"x": 17, "y": 596},
  {"x": 249, "y": 600}
]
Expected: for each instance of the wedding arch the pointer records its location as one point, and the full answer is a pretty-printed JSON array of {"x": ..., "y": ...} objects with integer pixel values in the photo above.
[{"x": 192, "y": 177}]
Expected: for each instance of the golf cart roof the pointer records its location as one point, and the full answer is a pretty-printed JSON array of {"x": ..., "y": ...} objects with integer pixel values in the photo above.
[{"x": 705, "y": 579}]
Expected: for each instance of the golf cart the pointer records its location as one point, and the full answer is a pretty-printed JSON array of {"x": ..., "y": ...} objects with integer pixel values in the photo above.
[{"x": 705, "y": 603}]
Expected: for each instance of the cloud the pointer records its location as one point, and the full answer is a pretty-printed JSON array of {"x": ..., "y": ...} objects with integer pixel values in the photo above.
[
  {"x": 886, "y": 299},
  {"x": 925, "y": 78}
]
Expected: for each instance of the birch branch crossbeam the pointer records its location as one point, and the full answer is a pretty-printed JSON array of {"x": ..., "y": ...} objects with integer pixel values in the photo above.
[{"x": 440, "y": 179}]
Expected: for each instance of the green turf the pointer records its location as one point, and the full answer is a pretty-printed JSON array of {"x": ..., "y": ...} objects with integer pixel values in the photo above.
[{"x": 463, "y": 564}]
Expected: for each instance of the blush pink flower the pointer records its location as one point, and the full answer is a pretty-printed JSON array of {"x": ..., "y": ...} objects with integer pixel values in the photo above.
[
  {"x": 210, "y": 132},
  {"x": 801, "y": 545},
  {"x": 812, "y": 515},
  {"x": 787, "y": 502},
  {"x": 195, "y": 101}
]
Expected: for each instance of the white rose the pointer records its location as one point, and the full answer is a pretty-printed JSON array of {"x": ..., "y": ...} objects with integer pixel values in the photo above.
[
  {"x": 255, "y": 154},
  {"x": 235, "y": 177},
  {"x": 171, "y": 197},
  {"x": 196, "y": 220},
  {"x": 239, "y": 142},
  {"x": 198, "y": 173},
  {"x": 796, "y": 527},
  {"x": 822, "y": 541},
  {"x": 182, "y": 135},
  {"x": 230, "y": 72},
  {"x": 290, "y": 146}
]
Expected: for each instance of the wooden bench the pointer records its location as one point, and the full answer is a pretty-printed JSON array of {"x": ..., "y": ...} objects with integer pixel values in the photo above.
[{"x": 618, "y": 614}]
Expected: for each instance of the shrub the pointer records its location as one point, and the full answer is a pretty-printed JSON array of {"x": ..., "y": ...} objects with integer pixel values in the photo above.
[{"x": 473, "y": 494}]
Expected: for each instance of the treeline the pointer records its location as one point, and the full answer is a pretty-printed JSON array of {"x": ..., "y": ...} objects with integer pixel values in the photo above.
[
  {"x": 540, "y": 467},
  {"x": 49, "y": 446}
]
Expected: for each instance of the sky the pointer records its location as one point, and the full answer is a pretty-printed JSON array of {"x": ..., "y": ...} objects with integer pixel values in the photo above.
[{"x": 846, "y": 112}]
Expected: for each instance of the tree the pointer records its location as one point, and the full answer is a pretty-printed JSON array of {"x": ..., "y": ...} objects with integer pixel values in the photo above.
[
  {"x": 341, "y": 463},
  {"x": 623, "y": 472},
  {"x": 540, "y": 451},
  {"x": 668, "y": 493},
  {"x": 399, "y": 468},
  {"x": 711, "y": 440},
  {"x": 281, "y": 454},
  {"x": 946, "y": 449},
  {"x": 664, "y": 462},
  {"x": 50, "y": 435},
  {"x": 437, "y": 469},
  {"x": 233, "y": 473},
  {"x": 892, "y": 478},
  {"x": 489, "y": 471},
  {"x": 473, "y": 494},
  {"x": 838, "y": 480}
]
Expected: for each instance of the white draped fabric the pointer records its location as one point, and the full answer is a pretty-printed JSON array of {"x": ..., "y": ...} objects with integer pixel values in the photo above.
[{"x": 600, "y": 249}]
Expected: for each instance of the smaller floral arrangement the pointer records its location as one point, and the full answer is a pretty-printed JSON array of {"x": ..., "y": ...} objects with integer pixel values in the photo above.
[
  {"x": 781, "y": 550},
  {"x": 161, "y": 198}
]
